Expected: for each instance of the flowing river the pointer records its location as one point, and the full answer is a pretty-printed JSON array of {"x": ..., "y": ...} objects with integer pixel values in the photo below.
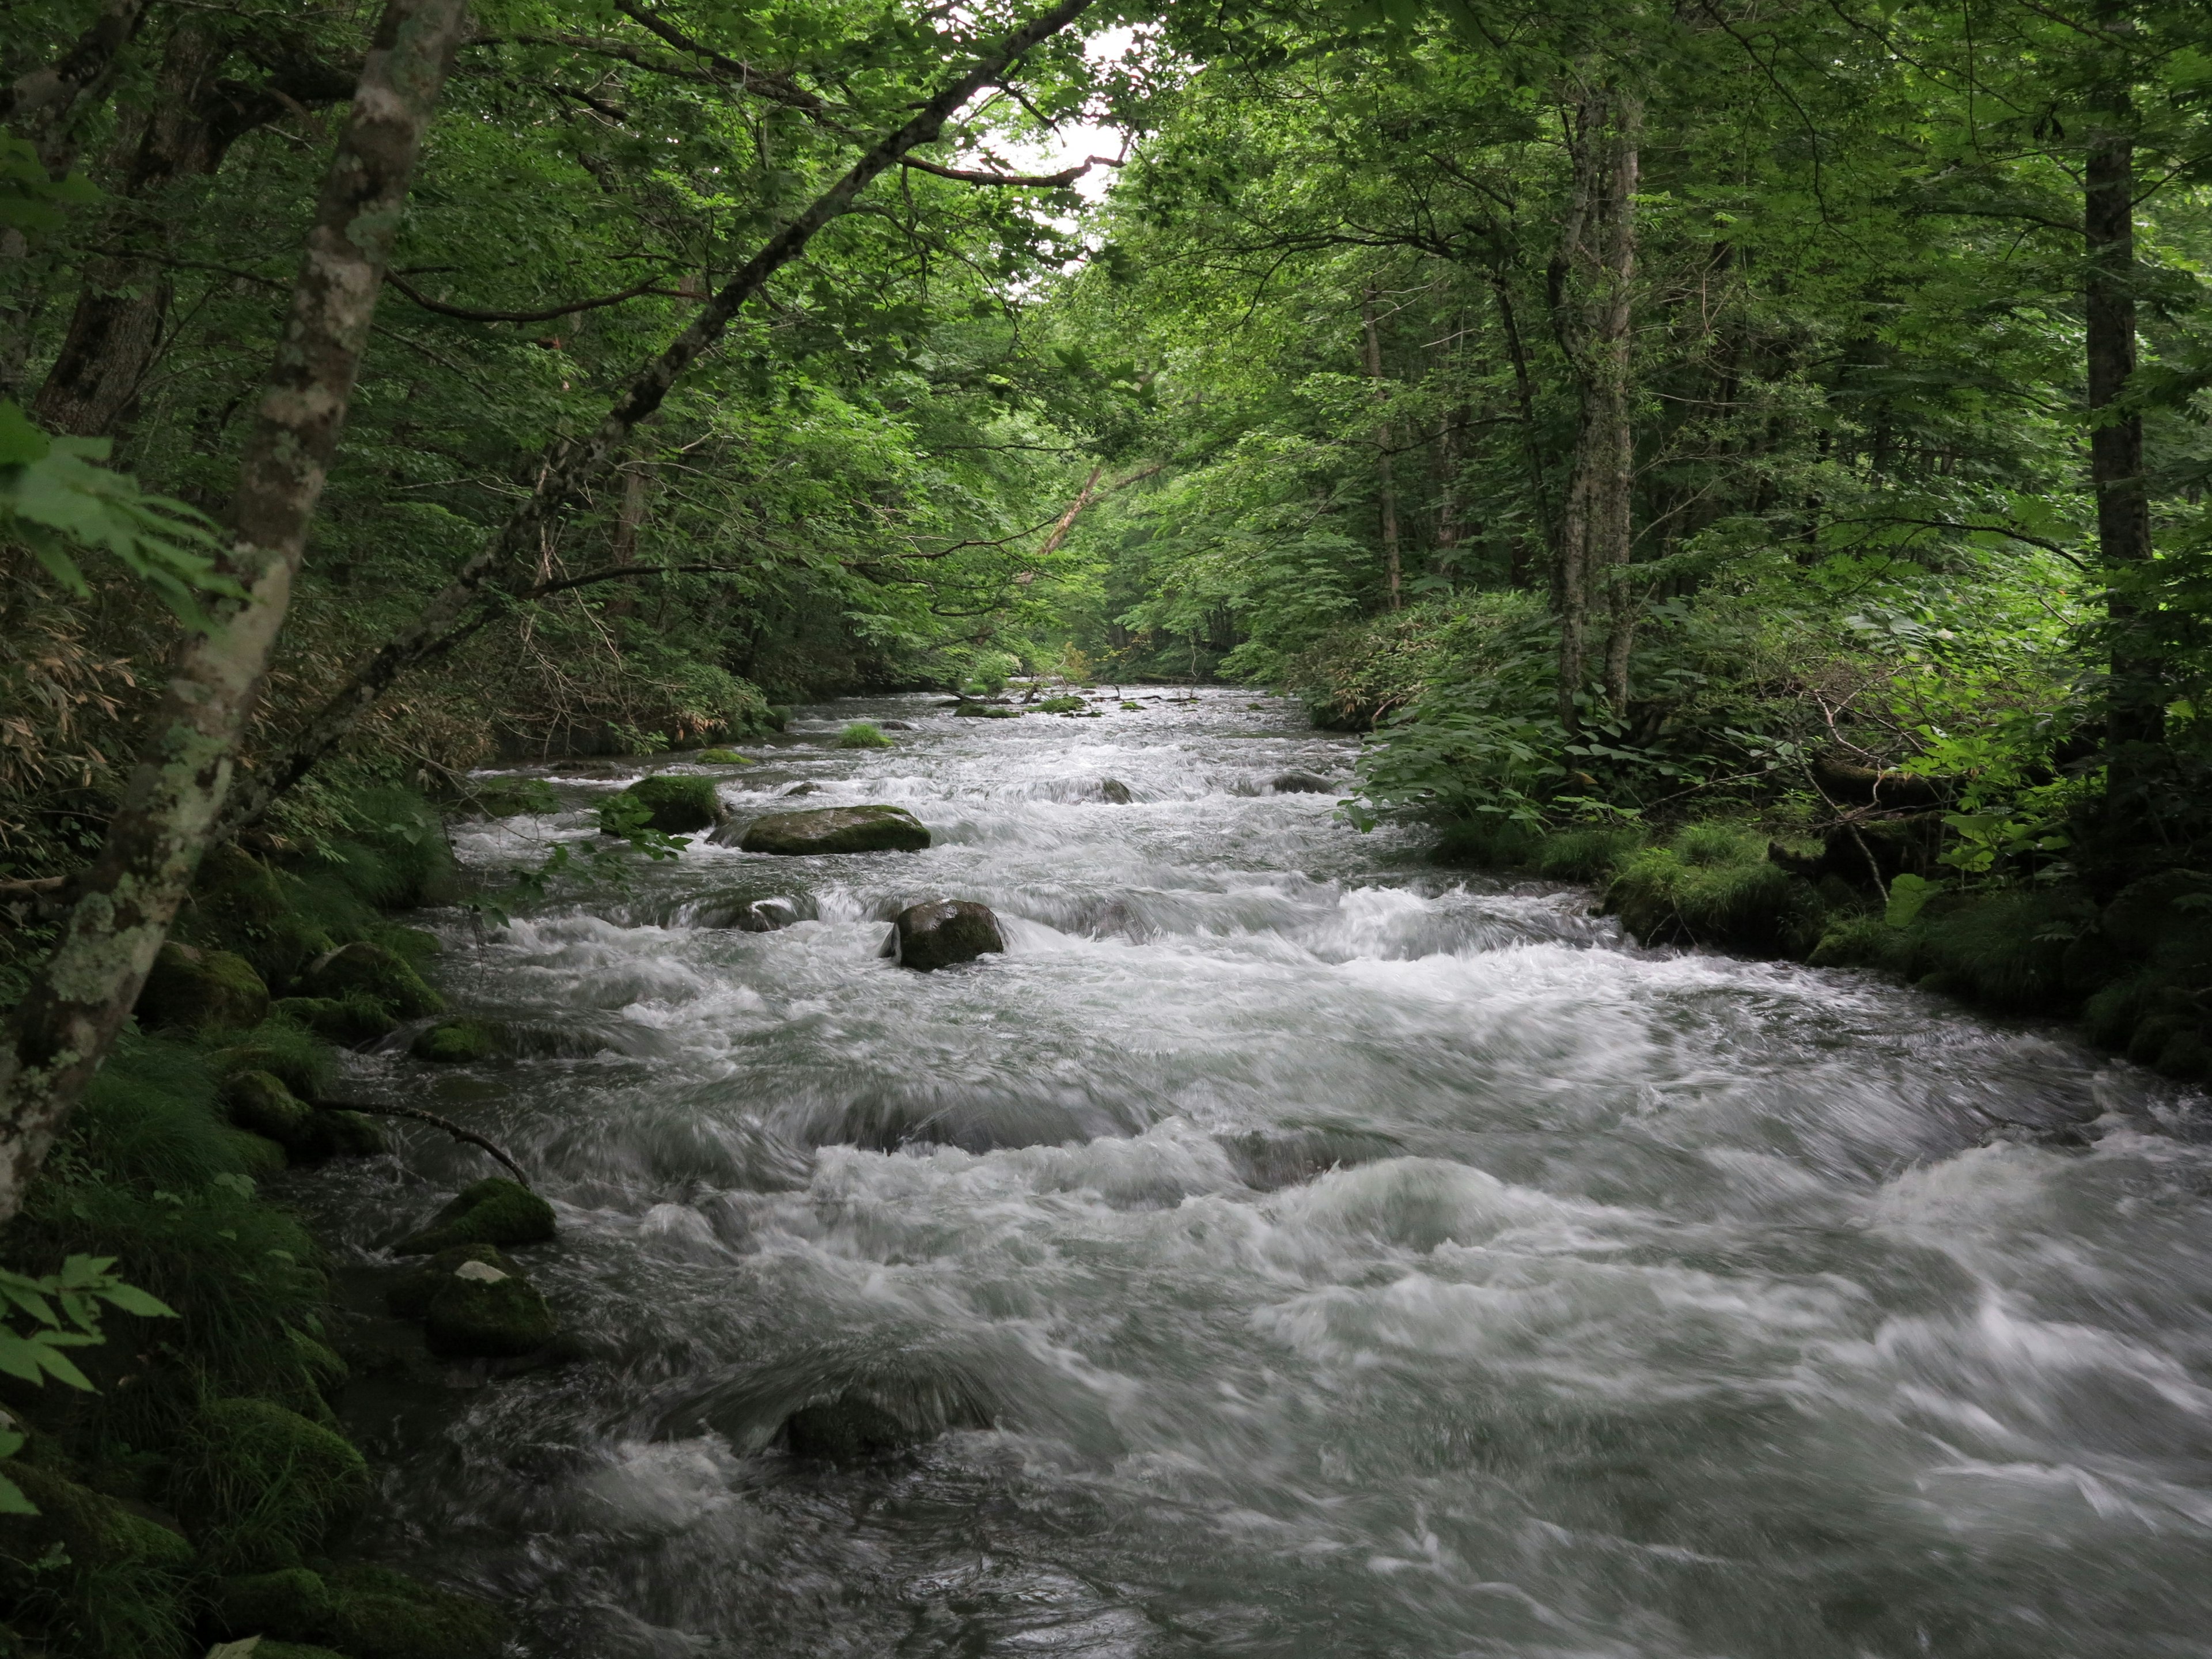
[{"x": 1314, "y": 1254}]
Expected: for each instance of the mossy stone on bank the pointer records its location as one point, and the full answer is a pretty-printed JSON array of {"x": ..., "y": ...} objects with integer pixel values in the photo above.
[
  {"x": 291, "y": 1603},
  {"x": 258, "y": 1102},
  {"x": 876, "y": 828},
  {"x": 88, "y": 1575},
  {"x": 287, "y": 1051},
  {"x": 475, "y": 1303},
  {"x": 1713, "y": 886},
  {"x": 348, "y": 1019},
  {"x": 494, "y": 1210},
  {"x": 375, "y": 971},
  {"x": 456, "y": 1041},
  {"x": 383, "y": 1614},
  {"x": 196, "y": 989},
  {"x": 260, "y": 1485},
  {"x": 674, "y": 804}
]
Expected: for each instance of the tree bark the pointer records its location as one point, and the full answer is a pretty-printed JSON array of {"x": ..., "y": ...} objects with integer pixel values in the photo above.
[
  {"x": 2135, "y": 704},
  {"x": 1592, "y": 288},
  {"x": 455, "y": 610},
  {"x": 1393, "y": 573},
  {"x": 67, "y": 1019}
]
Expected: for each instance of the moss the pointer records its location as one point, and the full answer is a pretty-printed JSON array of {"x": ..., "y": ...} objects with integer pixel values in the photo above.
[
  {"x": 152, "y": 1117},
  {"x": 259, "y": 1103},
  {"x": 674, "y": 804},
  {"x": 352, "y": 1018},
  {"x": 722, "y": 758},
  {"x": 195, "y": 989},
  {"x": 287, "y": 1051},
  {"x": 509, "y": 798},
  {"x": 261, "y": 1485},
  {"x": 494, "y": 1210},
  {"x": 1592, "y": 854},
  {"x": 1860, "y": 941},
  {"x": 382, "y": 1615},
  {"x": 864, "y": 734},
  {"x": 410, "y": 1294},
  {"x": 2005, "y": 952},
  {"x": 1713, "y": 886},
  {"x": 291, "y": 1602},
  {"x": 871, "y": 829},
  {"x": 1061, "y": 706},
  {"x": 293, "y": 1650},
  {"x": 88, "y": 1576},
  {"x": 475, "y": 1316},
  {"x": 455, "y": 1042},
  {"x": 375, "y": 971},
  {"x": 984, "y": 711}
]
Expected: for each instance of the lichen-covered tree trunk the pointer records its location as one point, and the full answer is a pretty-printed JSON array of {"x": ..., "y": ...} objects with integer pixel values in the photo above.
[
  {"x": 1592, "y": 292},
  {"x": 69, "y": 1017},
  {"x": 455, "y": 610}
]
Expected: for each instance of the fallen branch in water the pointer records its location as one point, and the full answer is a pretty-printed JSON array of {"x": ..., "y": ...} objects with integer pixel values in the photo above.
[{"x": 435, "y": 1121}]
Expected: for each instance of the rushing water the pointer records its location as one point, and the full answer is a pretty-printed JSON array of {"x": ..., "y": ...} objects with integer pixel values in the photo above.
[{"x": 1346, "y": 1258}]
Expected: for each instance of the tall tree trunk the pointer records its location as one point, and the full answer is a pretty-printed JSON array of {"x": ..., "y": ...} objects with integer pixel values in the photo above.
[
  {"x": 1393, "y": 573},
  {"x": 630, "y": 519},
  {"x": 455, "y": 611},
  {"x": 1592, "y": 283},
  {"x": 1524, "y": 398},
  {"x": 2135, "y": 704},
  {"x": 67, "y": 1019}
]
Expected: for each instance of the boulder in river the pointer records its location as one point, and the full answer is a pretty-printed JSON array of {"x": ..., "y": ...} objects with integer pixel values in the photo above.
[
  {"x": 474, "y": 1304},
  {"x": 456, "y": 1041},
  {"x": 896, "y": 725},
  {"x": 943, "y": 933},
  {"x": 1301, "y": 783},
  {"x": 673, "y": 803},
  {"x": 872, "y": 829},
  {"x": 1115, "y": 791},
  {"x": 494, "y": 1210}
]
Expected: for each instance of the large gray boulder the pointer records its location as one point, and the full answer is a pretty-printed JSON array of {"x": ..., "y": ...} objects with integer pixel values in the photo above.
[
  {"x": 873, "y": 829},
  {"x": 938, "y": 935}
]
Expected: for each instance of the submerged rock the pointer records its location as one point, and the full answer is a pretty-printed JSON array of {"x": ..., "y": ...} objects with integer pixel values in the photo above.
[
  {"x": 1301, "y": 783},
  {"x": 943, "y": 934},
  {"x": 1269, "y": 1160},
  {"x": 803, "y": 789},
  {"x": 494, "y": 1210},
  {"x": 193, "y": 988},
  {"x": 871, "y": 829},
  {"x": 1117, "y": 792},
  {"x": 896, "y": 725}
]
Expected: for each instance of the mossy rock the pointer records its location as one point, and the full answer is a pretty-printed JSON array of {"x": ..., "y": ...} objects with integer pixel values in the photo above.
[
  {"x": 940, "y": 934},
  {"x": 410, "y": 1295},
  {"x": 1861, "y": 941},
  {"x": 374, "y": 971},
  {"x": 2007, "y": 951},
  {"x": 197, "y": 990},
  {"x": 1590, "y": 854},
  {"x": 494, "y": 1210},
  {"x": 674, "y": 804},
  {"x": 1713, "y": 886},
  {"x": 290, "y": 1052},
  {"x": 456, "y": 1041},
  {"x": 382, "y": 1615},
  {"x": 256, "y": 1156},
  {"x": 348, "y": 1019},
  {"x": 510, "y": 798},
  {"x": 351, "y": 1134},
  {"x": 293, "y": 1650},
  {"x": 722, "y": 758},
  {"x": 1061, "y": 706},
  {"x": 479, "y": 1311},
  {"x": 291, "y": 1603},
  {"x": 261, "y": 1486},
  {"x": 872, "y": 829},
  {"x": 984, "y": 711},
  {"x": 95, "y": 1529},
  {"x": 864, "y": 734},
  {"x": 259, "y": 1103}
]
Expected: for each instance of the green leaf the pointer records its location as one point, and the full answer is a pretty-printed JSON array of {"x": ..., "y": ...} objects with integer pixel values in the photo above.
[
  {"x": 1908, "y": 893},
  {"x": 132, "y": 1300},
  {"x": 21, "y": 443}
]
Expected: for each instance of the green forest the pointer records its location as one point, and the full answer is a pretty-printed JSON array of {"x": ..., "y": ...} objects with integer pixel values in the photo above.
[{"x": 1749, "y": 459}]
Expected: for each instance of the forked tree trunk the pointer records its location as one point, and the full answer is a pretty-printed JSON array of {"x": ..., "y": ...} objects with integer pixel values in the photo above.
[
  {"x": 67, "y": 1019},
  {"x": 1592, "y": 291},
  {"x": 456, "y": 610}
]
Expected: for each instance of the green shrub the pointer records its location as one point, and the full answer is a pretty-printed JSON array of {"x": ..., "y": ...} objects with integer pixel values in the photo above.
[
  {"x": 95, "y": 1580},
  {"x": 366, "y": 968},
  {"x": 1860, "y": 941},
  {"x": 2006, "y": 950},
  {"x": 1588, "y": 854},
  {"x": 864, "y": 734},
  {"x": 1488, "y": 841}
]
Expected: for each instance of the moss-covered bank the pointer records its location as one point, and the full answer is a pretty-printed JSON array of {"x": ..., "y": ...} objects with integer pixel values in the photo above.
[
  {"x": 196, "y": 1492},
  {"x": 2134, "y": 967}
]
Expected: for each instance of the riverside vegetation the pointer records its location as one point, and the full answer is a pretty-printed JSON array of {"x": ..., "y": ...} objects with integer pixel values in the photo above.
[{"x": 1750, "y": 459}]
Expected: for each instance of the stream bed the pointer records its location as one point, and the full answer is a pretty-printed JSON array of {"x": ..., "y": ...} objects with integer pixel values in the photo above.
[{"x": 1313, "y": 1252}]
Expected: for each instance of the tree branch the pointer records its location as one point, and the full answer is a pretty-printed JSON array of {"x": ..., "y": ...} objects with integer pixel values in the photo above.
[{"x": 469, "y": 314}]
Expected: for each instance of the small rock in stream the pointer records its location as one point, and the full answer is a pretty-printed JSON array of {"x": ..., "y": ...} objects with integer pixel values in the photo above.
[
  {"x": 475, "y": 1303},
  {"x": 1300, "y": 783},
  {"x": 1115, "y": 790},
  {"x": 494, "y": 1210},
  {"x": 940, "y": 934}
]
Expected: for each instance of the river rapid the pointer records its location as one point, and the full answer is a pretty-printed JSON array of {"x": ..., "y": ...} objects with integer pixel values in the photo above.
[{"x": 1316, "y": 1254}]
